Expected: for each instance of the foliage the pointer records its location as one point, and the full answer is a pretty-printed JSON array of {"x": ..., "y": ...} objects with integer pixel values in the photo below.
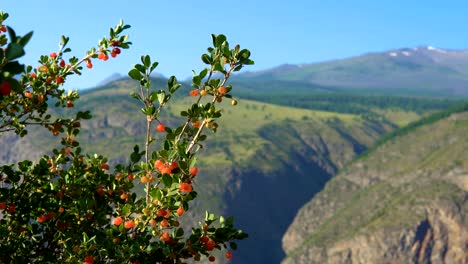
[{"x": 71, "y": 206}]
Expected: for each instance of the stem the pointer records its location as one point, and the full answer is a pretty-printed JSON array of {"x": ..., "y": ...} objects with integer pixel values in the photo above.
[{"x": 147, "y": 143}]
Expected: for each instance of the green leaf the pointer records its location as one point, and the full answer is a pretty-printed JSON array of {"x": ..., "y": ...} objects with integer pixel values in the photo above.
[
  {"x": 219, "y": 40},
  {"x": 206, "y": 58},
  {"x": 140, "y": 67},
  {"x": 167, "y": 180},
  {"x": 135, "y": 74},
  {"x": 154, "y": 65},
  {"x": 126, "y": 210},
  {"x": 146, "y": 61},
  {"x": 233, "y": 245},
  {"x": 14, "y": 50},
  {"x": 24, "y": 40}
]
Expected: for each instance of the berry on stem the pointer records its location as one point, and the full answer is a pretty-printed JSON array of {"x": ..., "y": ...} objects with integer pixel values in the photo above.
[
  {"x": 118, "y": 221},
  {"x": 185, "y": 187},
  {"x": 194, "y": 92},
  {"x": 160, "y": 127}
]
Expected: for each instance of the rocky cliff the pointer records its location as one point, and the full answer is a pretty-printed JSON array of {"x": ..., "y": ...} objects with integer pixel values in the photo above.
[{"x": 405, "y": 202}]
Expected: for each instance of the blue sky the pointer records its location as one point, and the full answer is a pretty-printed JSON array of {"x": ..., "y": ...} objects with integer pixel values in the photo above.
[{"x": 177, "y": 32}]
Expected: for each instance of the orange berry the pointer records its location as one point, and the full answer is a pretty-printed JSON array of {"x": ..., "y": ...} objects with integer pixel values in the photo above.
[
  {"x": 166, "y": 170},
  {"x": 160, "y": 127},
  {"x": 67, "y": 151},
  {"x": 144, "y": 179},
  {"x": 193, "y": 92},
  {"x": 194, "y": 171},
  {"x": 185, "y": 187},
  {"x": 158, "y": 164},
  {"x": 89, "y": 65},
  {"x": 33, "y": 75},
  {"x": 101, "y": 56},
  {"x": 41, "y": 219},
  {"x": 53, "y": 55},
  {"x": 180, "y": 211},
  {"x": 124, "y": 196},
  {"x": 61, "y": 210},
  {"x": 129, "y": 224},
  {"x": 118, "y": 221},
  {"x": 28, "y": 94},
  {"x": 165, "y": 236},
  {"x": 153, "y": 222},
  {"x": 196, "y": 124},
  {"x": 222, "y": 90},
  {"x": 228, "y": 255},
  {"x": 164, "y": 223}
]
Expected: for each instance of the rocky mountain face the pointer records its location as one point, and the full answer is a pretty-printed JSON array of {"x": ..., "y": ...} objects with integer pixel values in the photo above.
[{"x": 405, "y": 202}]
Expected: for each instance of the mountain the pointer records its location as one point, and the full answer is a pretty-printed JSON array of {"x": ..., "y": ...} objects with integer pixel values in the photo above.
[
  {"x": 420, "y": 71},
  {"x": 405, "y": 201},
  {"x": 265, "y": 162}
]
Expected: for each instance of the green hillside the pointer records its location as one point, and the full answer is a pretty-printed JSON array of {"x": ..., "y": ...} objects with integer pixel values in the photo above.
[{"x": 405, "y": 200}]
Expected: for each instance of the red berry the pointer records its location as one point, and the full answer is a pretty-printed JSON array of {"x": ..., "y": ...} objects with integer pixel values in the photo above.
[
  {"x": 174, "y": 165},
  {"x": 116, "y": 50},
  {"x": 33, "y": 75},
  {"x": 88, "y": 260},
  {"x": 118, "y": 221},
  {"x": 104, "y": 166},
  {"x": 212, "y": 258},
  {"x": 160, "y": 127},
  {"x": 210, "y": 245},
  {"x": 41, "y": 219},
  {"x": 3, "y": 28},
  {"x": 180, "y": 211},
  {"x": 89, "y": 65},
  {"x": 204, "y": 239},
  {"x": 106, "y": 57},
  {"x": 185, "y": 187},
  {"x": 12, "y": 208},
  {"x": 3, "y": 206},
  {"x": 228, "y": 255},
  {"x": 194, "y": 171},
  {"x": 101, "y": 56},
  {"x": 53, "y": 55},
  {"x": 161, "y": 212},
  {"x": 113, "y": 55},
  {"x": 62, "y": 63},
  {"x": 129, "y": 224},
  {"x": 69, "y": 104},
  {"x": 130, "y": 177},
  {"x": 5, "y": 88},
  {"x": 59, "y": 80}
]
